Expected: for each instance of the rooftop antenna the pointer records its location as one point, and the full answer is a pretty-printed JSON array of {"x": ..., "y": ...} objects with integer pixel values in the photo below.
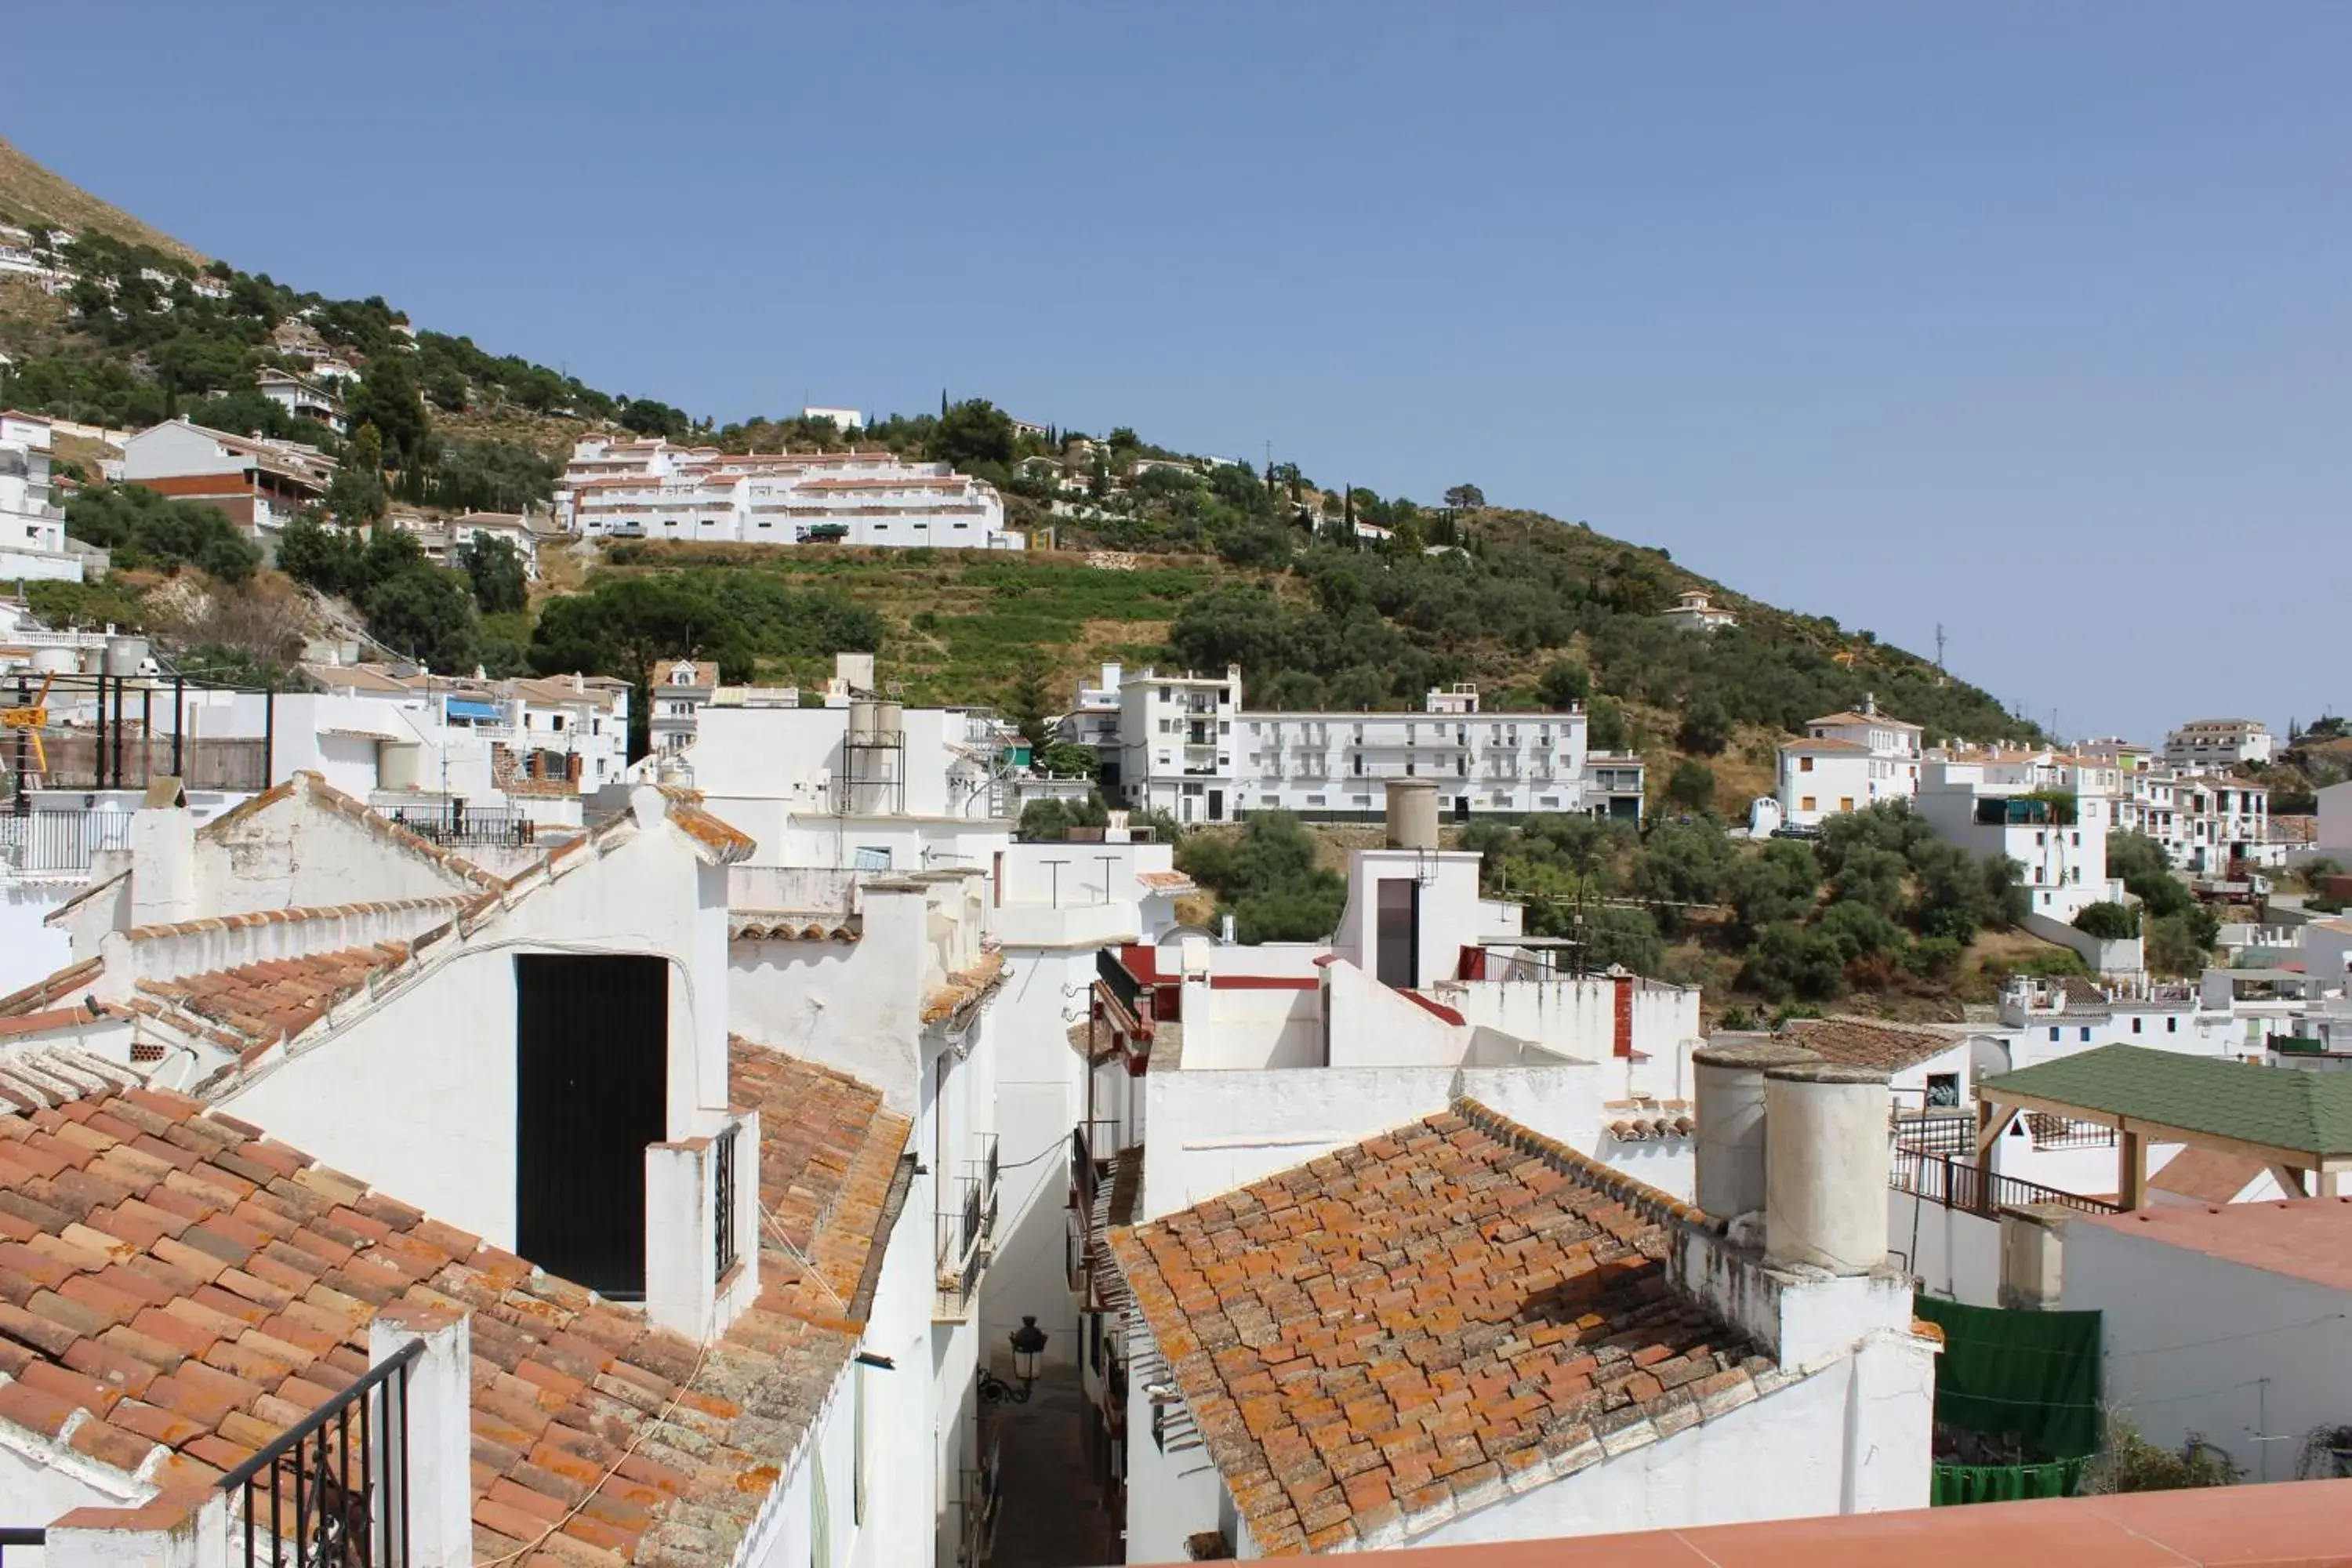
[{"x": 1939, "y": 648}]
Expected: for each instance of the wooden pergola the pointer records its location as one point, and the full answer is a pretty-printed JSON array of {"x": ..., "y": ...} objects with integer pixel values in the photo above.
[{"x": 2297, "y": 1123}]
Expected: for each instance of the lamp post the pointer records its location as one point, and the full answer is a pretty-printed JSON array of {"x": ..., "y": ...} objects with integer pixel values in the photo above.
[{"x": 1028, "y": 1344}]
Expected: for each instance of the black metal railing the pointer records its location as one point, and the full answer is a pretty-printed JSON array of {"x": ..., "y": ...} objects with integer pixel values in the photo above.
[
  {"x": 332, "y": 1491},
  {"x": 2049, "y": 1132},
  {"x": 1082, "y": 1169},
  {"x": 60, "y": 843},
  {"x": 1935, "y": 1134},
  {"x": 462, "y": 826},
  {"x": 723, "y": 1203},
  {"x": 1122, "y": 984},
  {"x": 1941, "y": 1179},
  {"x": 974, "y": 1206},
  {"x": 19, "y": 1535}
]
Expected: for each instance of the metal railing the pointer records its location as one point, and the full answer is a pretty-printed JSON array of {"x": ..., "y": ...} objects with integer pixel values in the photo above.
[
  {"x": 334, "y": 1486},
  {"x": 495, "y": 826},
  {"x": 1940, "y": 1179},
  {"x": 1123, "y": 984},
  {"x": 722, "y": 1206},
  {"x": 1935, "y": 1134},
  {"x": 2049, "y": 1132},
  {"x": 18, "y": 1535},
  {"x": 60, "y": 843}
]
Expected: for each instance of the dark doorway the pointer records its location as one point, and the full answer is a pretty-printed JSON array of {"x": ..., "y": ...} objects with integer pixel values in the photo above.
[
  {"x": 1397, "y": 933},
  {"x": 591, "y": 1051},
  {"x": 1216, "y": 805},
  {"x": 1461, "y": 808}
]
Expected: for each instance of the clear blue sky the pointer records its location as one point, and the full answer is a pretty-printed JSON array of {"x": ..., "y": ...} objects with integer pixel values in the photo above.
[{"x": 2031, "y": 320}]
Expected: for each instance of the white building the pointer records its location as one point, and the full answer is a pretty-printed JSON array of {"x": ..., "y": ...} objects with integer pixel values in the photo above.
[
  {"x": 1848, "y": 762},
  {"x": 681, "y": 688},
  {"x": 843, "y": 418},
  {"x": 2049, "y": 812},
  {"x": 302, "y": 399},
  {"x": 2215, "y": 744},
  {"x": 1694, "y": 612},
  {"x": 2279, "y": 1274},
  {"x": 32, "y": 523},
  {"x": 260, "y": 484},
  {"x": 1187, "y": 747},
  {"x": 651, "y": 489},
  {"x": 442, "y": 539}
]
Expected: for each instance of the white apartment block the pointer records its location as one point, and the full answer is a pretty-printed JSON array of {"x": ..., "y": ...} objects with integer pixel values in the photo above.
[
  {"x": 651, "y": 489},
  {"x": 1848, "y": 762},
  {"x": 2206, "y": 822},
  {"x": 32, "y": 525},
  {"x": 1185, "y": 746},
  {"x": 1997, "y": 800},
  {"x": 1694, "y": 612},
  {"x": 302, "y": 399},
  {"x": 2219, "y": 742}
]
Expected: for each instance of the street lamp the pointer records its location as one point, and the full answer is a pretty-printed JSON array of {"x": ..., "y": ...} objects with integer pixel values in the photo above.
[{"x": 1028, "y": 1344}]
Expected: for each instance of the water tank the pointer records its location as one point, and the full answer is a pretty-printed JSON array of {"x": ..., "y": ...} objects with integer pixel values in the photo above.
[
  {"x": 862, "y": 720},
  {"x": 55, "y": 661},
  {"x": 1727, "y": 1081},
  {"x": 399, "y": 766},
  {"x": 124, "y": 655},
  {"x": 889, "y": 717},
  {"x": 1825, "y": 1166},
  {"x": 1412, "y": 814}
]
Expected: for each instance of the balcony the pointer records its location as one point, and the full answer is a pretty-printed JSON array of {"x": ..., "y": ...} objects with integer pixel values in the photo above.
[
  {"x": 59, "y": 844},
  {"x": 966, "y": 1234}
]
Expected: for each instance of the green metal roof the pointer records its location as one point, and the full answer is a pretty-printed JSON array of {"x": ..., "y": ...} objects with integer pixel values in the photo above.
[{"x": 2282, "y": 1107}]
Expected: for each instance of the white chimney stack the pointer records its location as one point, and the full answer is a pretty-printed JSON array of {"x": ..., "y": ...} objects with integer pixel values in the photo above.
[
  {"x": 163, "y": 856},
  {"x": 1825, "y": 1166},
  {"x": 1727, "y": 1081}
]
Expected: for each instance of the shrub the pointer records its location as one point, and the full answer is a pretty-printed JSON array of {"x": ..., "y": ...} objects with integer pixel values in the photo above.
[{"x": 2107, "y": 921}]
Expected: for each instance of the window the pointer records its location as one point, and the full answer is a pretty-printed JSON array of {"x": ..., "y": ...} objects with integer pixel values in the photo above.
[
  {"x": 2053, "y": 1031},
  {"x": 1805, "y": 803},
  {"x": 1846, "y": 802},
  {"x": 1943, "y": 1090},
  {"x": 2135, "y": 1026},
  {"x": 2172, "y": 1026},
  {"x": 2086, "y": 1034}
]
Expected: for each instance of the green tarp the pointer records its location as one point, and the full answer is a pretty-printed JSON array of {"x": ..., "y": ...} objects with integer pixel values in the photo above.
[
  {"x": 2035, "y": 1375},
  {"x": 2004, "y": 1483}
]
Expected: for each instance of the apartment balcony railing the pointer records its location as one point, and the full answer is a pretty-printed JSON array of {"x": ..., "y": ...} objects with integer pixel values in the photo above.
[
  {"x": 965, "y": 1233},
  {"x": 1941, "y": 1179},
  {"x": 60, "y": 843},
  {"x": 468, "y": 827},
  {"x": 2063, "y": 1133},
  {"x": 332, "y": 1491},
  {"x": 1936, "y": 1134}
]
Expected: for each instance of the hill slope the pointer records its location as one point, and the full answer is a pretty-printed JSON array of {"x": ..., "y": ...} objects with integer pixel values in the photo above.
[{"x": 30, "y": 195}]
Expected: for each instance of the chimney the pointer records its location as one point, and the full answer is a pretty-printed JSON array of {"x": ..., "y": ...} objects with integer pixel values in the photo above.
[
  {"x": 1825, "y": 1167},
  {"x": 1870, "y": 704},
  {"x": 163, "y": 856},
  {"x": 1727, "y": 1081},
  {"x": 1411, "y": 814}
]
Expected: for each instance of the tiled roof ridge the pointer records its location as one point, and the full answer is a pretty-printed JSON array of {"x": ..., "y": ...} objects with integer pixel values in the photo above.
[
  {"x": 51, "y": 987},
  {"x": 965, "y": 986},
  {"x": 294, "y": 915},
  {"x": 1652, "y": 1203},
  {"x": 784, "y": 926},
  {"x": 47, "y": 1078},
  {"x": 183, "y": 997},
  {"x": 316, "y": 789}
]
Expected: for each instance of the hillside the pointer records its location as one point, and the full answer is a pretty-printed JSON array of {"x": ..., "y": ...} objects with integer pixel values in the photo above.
[{"x": 31, "y": 196}]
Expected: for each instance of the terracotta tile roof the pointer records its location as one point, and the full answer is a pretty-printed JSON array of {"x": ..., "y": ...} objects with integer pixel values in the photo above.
[
  {"x": 1408, "y": 1327},
  {"x": 1850, "y": 716},
  {"x": 1825, "y": 745},
  {"x": 1871, "y": 1042},
  {"x": 273, "y": 1000},
  {"x": 46, "y": 992},
  {"x": 964, "y": 988},
  {"x": 793, "y": 928},
  {"x": 254, "y": 920},
  {"x": 1164, "y": 881},
  {"x": 829, "y": 1154},
  {"x": 177, "y": 1289},
  {"x": 727, "y": 843},
  {"x": 2207, "y": 1175}
]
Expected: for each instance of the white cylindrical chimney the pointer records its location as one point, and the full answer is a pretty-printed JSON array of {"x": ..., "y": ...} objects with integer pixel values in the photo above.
[
  {"x": 1825, "y": 1166},
  {"x": 1727, "y": 1081},
  {"x": 1412, "y": 814}
]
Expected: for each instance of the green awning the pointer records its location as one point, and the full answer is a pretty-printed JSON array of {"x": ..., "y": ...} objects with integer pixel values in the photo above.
[{"x": 2301, "y": 1112}]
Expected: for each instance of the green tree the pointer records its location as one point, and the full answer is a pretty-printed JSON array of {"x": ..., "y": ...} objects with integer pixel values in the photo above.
[
  {"x": 427, "y": 612},
  {"x": 1789, "y": 960},
  {"x": 1779, "y": 884},
  {"x": 1681, "y": 864},
  {"x": 141, "y": 529},
  {"x": 1065, "y": 759},
  {"x": 1605, "y": 729},
  {"x": 1691, "y": 785},
  {"x": 1050, "y": 821},
  {"x": 1705, "y": 728},
  {"x": 1872, "y": 877},
  {"x": 2147, "y": 874},
  {"x": 494, "y": 569},
  {"x": 974, "y": 432},
  {"x": 1029, "y": 705},
  {"x": 1268, "y": 880},
  {"x": 355, "y": 495},
  {"x": 1565, "y": 683},
  {"x": 321, "y": 558},
  {"x": 1466, "y": 497},
  {"x": 2107, "y": 921},
  {"x": 388, "y": 399}
]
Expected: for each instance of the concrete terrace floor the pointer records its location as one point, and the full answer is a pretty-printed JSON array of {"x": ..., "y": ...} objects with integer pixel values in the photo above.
[{"x": 1051, "y": 1515}]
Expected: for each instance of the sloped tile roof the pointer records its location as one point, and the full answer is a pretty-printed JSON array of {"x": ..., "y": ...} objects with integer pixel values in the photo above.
[
  {"x": 272, "y": 1000},
  {"x": 46, "y": 992},
  {"x": 188, "y": 1284},
  {"x": 2280, "y": 1107},
  {"x": 1872, "y": 1042},
  {"x": 2207, "y": 1175},
  {"x": 964, "y": 988},
  {"x": 1409, "y": 1326}
]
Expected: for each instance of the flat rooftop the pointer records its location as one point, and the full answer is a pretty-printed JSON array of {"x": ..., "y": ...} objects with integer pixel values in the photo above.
[{"x": 2303, "y": 1238}]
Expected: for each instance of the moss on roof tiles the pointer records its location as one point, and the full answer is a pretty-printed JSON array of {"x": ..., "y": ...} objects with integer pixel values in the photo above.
[{"x": 2282, "y": 1107}]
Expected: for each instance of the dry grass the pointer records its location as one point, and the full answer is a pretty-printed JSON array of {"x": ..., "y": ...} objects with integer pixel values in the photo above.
[{"x": 30, "y": 194}]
